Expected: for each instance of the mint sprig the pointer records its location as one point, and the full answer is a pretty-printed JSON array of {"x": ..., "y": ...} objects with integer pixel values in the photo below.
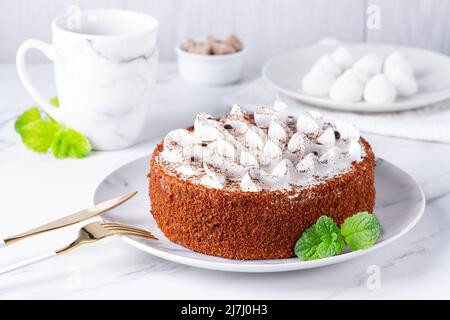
[
  {"x": 324, "y": 238},
  {"x": 69, "y": 143},
  {"x": 27, "y": 117},
  {"x": 41, "y": 134},
  {"x": 361, "y": 231}
]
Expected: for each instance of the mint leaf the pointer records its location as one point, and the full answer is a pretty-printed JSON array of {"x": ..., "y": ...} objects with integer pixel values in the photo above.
[
  {"x": 39, "y": 135},
  {"x": 323, "y": 239},
  {"x": 26, "y": 118},
  {"x": 71, "y": 144},
  {"x": 361, "y": 231},
  {"x": 55, "y": 102}
]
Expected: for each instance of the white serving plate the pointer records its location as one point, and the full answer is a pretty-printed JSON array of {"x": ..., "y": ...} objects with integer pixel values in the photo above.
[
  {"x": 400, "y": 203},
  {"x": 432, "y": 70}
]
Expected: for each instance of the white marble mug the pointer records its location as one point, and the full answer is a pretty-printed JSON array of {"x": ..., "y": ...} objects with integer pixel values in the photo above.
[{"x": 105, "y": 63}]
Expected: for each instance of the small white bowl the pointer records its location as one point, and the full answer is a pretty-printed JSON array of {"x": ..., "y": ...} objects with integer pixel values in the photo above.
[{"x": 210, "y": 69}]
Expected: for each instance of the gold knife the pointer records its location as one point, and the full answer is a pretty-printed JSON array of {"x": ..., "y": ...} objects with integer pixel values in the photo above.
[{"x": 71, "y": 219}]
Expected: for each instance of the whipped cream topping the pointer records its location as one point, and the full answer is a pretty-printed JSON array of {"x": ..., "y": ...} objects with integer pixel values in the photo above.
[{"x": 269, "y": 150}]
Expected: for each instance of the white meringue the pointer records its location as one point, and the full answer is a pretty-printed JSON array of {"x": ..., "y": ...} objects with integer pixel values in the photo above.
[
  {"x": 205, "y": 128},
  {"x": 238, "y": 127},
  {"x": 328, "y": 157},
  {"x": 178, "y": 138},
  {"x": 263, "y": 117},
  {"x": 280, "y": 177},
  {"x": 326, "y": 162},
  {"x": 172, "y": 156},
  {"x": 187, "y": 171},
  {"x": 352, "y": 153},
  {"x": 327, "y": 65},
  {"x": 369, "y": 64},
  {"x": 213, "y": 159},
  {"x": 296, "y": 144},
  {"x": 212, "y": 178},
  {"x": 396, "y": 60},
  {"x": 249, "y": 183},
  {"x": 247, "y": 159},
  {"x": 317, "y": 83},
  {"x": 276, "y": 131},
  {"x": 280, "y": 110},
  {"x": 347, "y": 88},
  {"x": 316, "y": 115},
  {"x": 232, "y": 169},
  {"x": 327, "y": 138},
  {"x": 379, "y": 90},
  {"x": 347, "y": 131},
  {"x": 272, "y": 152},
  {"x": 343, "y": 58},
  {"x": 361, "y": 75},
  {"x": 224, "y": 149},
  {"x": 232, "y": 150},
  {"x": 307, "y": 125},
  {"x": 404, "y": 83},
  {"x": 324, "y": 142},
  {"x": 306, "y": 164},
  {"x": 282, "y": 168},
  {"x": 304, "y": 170},
  {"x": 198, "y": 153},
  {"x": 253, "y": 140},
  {"x": 238, "y": 111}
]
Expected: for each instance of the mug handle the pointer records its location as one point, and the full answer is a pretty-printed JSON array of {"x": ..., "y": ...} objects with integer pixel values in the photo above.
[{"x": 49, "y": 52}]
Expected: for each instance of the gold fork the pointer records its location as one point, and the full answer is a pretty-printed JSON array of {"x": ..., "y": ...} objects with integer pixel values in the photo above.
[
  {"x": 91, "y": 232},
  {"x": 69, "y": 220}
]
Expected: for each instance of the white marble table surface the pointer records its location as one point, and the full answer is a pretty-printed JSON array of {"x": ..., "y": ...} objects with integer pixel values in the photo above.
[{"x": 36, "y": 188}]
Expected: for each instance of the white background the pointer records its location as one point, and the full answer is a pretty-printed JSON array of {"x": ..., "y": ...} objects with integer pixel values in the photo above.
[{"x": 267, "y": 26}]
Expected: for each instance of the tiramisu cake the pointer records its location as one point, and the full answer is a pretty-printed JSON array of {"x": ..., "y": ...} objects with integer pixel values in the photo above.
[{"x": 245, "y": 186}]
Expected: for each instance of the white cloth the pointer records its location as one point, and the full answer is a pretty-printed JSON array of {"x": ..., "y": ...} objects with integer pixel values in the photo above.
[{"x": 430, "y": 123}]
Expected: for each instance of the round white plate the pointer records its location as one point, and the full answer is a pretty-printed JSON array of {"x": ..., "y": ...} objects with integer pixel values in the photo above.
[
  {"x": 432, "y": 70},
  {"x": 400, "y": 203}
]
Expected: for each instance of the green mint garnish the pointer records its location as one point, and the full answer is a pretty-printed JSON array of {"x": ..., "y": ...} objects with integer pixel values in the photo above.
[
  {"x": 41, "y": 134},
  {"x": 323, "y": 239},
  {"x": 361, "y": 231},
  {"x": 69, "y": 143},
  {"x": 26, "y": 118}
]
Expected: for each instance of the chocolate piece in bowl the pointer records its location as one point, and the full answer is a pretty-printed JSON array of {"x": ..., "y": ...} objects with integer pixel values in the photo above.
[
  {"x": 234, "y": 41},
  {"x": 197, "y": 47},
  {"x": 220, "y": 47},
  {"x": 212, "y": 62},
  {"x": 213, "y": 46}
]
